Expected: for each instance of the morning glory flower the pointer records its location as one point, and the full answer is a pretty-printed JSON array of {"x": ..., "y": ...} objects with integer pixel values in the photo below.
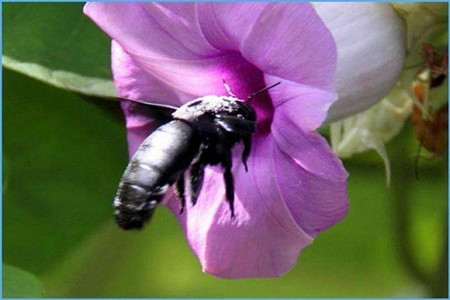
[{"x": 295, "y": 186}]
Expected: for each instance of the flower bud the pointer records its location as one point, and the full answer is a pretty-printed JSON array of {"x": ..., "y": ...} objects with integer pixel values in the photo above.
[{"x": 370, "y": 40}]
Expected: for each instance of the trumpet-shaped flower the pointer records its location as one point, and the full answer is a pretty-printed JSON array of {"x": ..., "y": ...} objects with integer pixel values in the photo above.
[{"x": 295, "y": 186}]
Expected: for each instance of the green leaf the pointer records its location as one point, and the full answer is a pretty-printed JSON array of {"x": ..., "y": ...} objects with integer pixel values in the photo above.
[
  {"x": 58, "y": 44},
  {"x": 20, "y": 284},
  {"x": 63, "y": 159}
]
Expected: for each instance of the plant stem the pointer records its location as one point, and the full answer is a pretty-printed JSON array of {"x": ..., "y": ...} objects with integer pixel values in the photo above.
[
  {"x": 403, "y": 174},
  {"x": 440, "y": 286}
]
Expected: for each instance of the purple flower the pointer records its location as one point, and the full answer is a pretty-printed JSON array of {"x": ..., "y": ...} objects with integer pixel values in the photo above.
[{"x": 295, "y": 188}]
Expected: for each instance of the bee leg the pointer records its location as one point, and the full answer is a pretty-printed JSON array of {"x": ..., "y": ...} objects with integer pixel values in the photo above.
[
  {"x": 229, "y": 181},
  {"x": 197, "y": 172},
  {"x": 247, "y": 148},
  {"x": 179, "y": 191}
]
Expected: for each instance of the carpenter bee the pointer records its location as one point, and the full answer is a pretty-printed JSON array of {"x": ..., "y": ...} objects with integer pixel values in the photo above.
[{"x": 202, "y": 132}]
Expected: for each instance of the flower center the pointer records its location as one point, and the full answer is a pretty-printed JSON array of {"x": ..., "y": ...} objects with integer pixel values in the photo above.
[{"x": 244, "y": 80}]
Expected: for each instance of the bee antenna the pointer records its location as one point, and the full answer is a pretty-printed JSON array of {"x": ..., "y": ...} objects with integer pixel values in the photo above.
[{"x": 262, "y": 90}]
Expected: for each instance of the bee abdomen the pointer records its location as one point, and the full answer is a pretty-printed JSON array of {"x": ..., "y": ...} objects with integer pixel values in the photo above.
[
  {"x": 133, "y": 214},
  {"x": 156, "y": 165}
]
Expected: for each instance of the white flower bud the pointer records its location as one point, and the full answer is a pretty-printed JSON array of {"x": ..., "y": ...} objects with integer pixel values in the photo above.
[
  {"x": 370, "y": 40},
  {"x": 370, "y": 129}
]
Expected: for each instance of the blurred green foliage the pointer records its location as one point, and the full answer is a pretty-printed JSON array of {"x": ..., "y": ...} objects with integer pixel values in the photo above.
[
  {"x": 57, "y": 36},
  {"x": 51, "y": 139},
  {"x": 20, "y": 284},
  {"x": 63, "y": 157}
]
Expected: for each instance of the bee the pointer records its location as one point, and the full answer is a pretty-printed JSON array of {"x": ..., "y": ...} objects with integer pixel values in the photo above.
[{"x": 200, "y": 133}]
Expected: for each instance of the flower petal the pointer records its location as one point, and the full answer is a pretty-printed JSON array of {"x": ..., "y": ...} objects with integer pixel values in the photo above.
[
  {"x": 166, "y": 41},
  {"x": 134, "y": 83},
  {"x": 306, "y": 106},
  {"x": 153, "y": 30},
  {"x": 308, "y": 149},
  {"x": 226, "y": 25},
  {"x": 370, "y": 41},
  {"x": 312, "y": 178},
  {"x": 263, "y": 240},
  {"x": 263, "y": 33}
]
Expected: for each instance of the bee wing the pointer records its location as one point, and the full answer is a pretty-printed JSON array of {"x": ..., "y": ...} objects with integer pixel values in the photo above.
[{"x": 158, "y": 112}]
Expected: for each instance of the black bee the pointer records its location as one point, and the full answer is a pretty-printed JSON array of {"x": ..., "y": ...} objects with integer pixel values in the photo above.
[{"x": 199, "y": 133}]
